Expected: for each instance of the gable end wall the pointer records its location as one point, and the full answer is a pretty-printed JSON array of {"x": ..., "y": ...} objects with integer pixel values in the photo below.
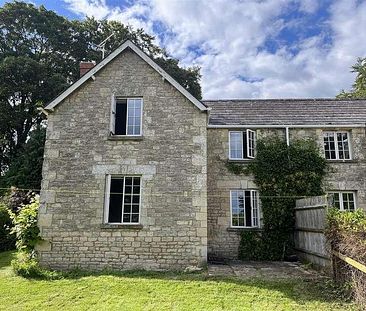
[{"x": 171, "y": 158}]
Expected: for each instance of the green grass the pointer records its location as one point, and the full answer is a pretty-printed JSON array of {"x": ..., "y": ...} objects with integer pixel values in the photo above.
[{"x": 160, "y": 291}]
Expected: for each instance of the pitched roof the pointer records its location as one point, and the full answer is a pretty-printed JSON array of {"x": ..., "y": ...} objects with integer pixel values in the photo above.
[
  {"x": 277, "y": 112},
  {"x": 110, "y": 57}
]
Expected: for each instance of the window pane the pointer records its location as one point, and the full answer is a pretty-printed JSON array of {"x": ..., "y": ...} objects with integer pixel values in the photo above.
[
  {"x": 121, "y": 117},
  {"x": 124, "y": 200},
  {"x": 137, "y": 129},
  {"x": 329, "y": 146},
  {"x": 236, "y": 145},
  {"x": 135, "y": 218},
  {"x": 343, "y": 146},
  {"x": 127, "y": 209},
  {"x": 132, "y": 200},
  {"x": 348, "y": 201},
  {"x": 134, "y": 116},
  {"x": 237, "y": 208},
  {"x": 235, "y": 222},
  {"x": 127, "y": 218},
  {"x": 255, "y": 209},
  {"x": 128, "y": 199},
  {"x": 115, "y": 200},
  {"x": 135, "y": 209},
  {"x": 248, "y": 209},
  {"x": 130, "y": 130},
  {"x": 251, "y": 144},
  {"x": 136, "y": 198},
  {"x": 336, "y": 202}
]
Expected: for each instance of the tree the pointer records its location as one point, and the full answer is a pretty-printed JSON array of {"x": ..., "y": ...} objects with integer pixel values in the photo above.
[
  {"x": 92, "y": 32},
  {"x": 39, "y": 56},
  {"x": 33, "y": 69},
  {"x": 359, "y": 87},
  {"x": 25, "y": 170}
]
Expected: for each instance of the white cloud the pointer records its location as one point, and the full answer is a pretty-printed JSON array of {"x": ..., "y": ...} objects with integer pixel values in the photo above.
[
  {"x": 96, "y": 8},
  {"x": 226, "y": 39},
  {"x": 308, "y": 6}
]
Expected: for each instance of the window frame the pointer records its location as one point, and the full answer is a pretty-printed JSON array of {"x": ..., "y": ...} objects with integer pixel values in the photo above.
[
  {"x": 252, "y": 209},
  {"x": 250, "y": 151},
  {"x": 107, "y": 199},
  {"x": 341, "y": 201},
  {"x": 112, "y": 126},
  {"x": 336, "y": 148}
]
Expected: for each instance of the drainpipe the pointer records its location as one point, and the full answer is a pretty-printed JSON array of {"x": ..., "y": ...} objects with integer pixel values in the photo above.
[{"x": 287, "y": 136}]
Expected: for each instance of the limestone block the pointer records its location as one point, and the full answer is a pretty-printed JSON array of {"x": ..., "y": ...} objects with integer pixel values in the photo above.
[{"x": 44, "y": 220}]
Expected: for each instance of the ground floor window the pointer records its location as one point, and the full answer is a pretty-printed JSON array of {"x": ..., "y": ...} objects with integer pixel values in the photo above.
[
  {"x": 244, "y": 208},
  {"x": 344, "y": 200},
  {"x": 123, "y": 199}
]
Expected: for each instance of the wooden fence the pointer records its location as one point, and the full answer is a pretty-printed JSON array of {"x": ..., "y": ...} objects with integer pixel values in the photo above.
[{"x": 310, "y": 242}]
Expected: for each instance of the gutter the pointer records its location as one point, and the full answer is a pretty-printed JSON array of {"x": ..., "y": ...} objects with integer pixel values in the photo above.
[{"x": 263, "y": 126}]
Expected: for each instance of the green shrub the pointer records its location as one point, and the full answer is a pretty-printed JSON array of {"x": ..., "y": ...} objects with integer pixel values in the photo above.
[
  {"x": 283, "y": 174},
  {"x": 7, "y": 239},
  {"x": 25, "y": 226},
  {"x": 346, "y": 233},
  {"x": 354, "y": 221},
  {"x": 25, "y": 264},
  {"x": 250, "y": 245}
]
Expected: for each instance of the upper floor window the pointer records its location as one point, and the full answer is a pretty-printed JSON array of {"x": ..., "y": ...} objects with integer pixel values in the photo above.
[
  {"x": 345, "y": 201},
  {"x": 337, "y": 145},
  {"x": 242, "y": 145},
  {"x": 244, "y": 208},
  {"x": 126, "y": 116},
  {"x": 123, "y": 199}
]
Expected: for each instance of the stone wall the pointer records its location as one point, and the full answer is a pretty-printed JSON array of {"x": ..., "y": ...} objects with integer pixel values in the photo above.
[
  {"x": 223, "y": 241},
  {"x": 171, "y": 159}
]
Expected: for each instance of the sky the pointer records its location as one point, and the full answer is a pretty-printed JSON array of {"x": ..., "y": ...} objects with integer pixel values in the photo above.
[{"x": 247, "y": 48}]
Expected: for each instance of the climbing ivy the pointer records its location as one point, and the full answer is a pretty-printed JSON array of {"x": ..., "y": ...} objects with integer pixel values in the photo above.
[{"x": 282, "y": 174}]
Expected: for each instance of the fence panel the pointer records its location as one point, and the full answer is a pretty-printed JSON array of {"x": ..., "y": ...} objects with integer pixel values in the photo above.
[{"x": 310, "y": 242}]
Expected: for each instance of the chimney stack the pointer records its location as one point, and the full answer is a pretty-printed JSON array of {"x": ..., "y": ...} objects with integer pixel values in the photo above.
[{"x": 85, "y": 67}]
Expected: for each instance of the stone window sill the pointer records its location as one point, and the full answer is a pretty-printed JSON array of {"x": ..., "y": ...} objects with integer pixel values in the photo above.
[
  {"x": 233, "y": 229},
  {"x": 244, "y": 161},
  {"x": 121, "y": 226},
  {"x": 342, "y": 161},
  {"x": 123, "y": 137}
]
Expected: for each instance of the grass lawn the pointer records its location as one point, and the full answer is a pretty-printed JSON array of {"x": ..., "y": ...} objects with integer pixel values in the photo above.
[{"x": 160, "y": 291}]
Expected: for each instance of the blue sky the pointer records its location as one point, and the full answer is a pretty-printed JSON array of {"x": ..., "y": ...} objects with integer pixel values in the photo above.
[{"x": 247, "y": 48}]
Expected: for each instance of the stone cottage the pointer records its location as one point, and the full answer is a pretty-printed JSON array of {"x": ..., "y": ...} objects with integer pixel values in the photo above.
[{"x": 134, "y": 173}]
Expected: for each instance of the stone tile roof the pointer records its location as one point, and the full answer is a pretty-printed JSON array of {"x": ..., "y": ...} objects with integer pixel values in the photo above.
[{"x": 286, "y": 112}]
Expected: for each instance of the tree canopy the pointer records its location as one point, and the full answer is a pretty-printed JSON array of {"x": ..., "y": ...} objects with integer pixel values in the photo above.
[
  {"x": 359, "y": 87},
  {"x": 39, "y": 56}
]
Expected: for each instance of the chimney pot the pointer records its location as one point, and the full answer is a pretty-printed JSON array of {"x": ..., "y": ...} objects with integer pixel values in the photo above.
[{"x": 85, "y": 67}]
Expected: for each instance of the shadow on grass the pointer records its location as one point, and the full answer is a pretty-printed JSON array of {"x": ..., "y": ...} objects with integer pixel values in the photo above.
[
  {"x": 299, "y": 290},
  {"x": 6, "y": 258}
]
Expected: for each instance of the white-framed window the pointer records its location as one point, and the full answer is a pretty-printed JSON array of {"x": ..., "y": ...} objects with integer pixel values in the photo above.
[
  {"x": 122, "y": 199},
  {"x": 337, "y": 145},
  {"x": 344, "y": 200},
  {"x": 126, "y": 116},
  {"x": 242, "y": 145},
  {"x": 244, "y": 208}
]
